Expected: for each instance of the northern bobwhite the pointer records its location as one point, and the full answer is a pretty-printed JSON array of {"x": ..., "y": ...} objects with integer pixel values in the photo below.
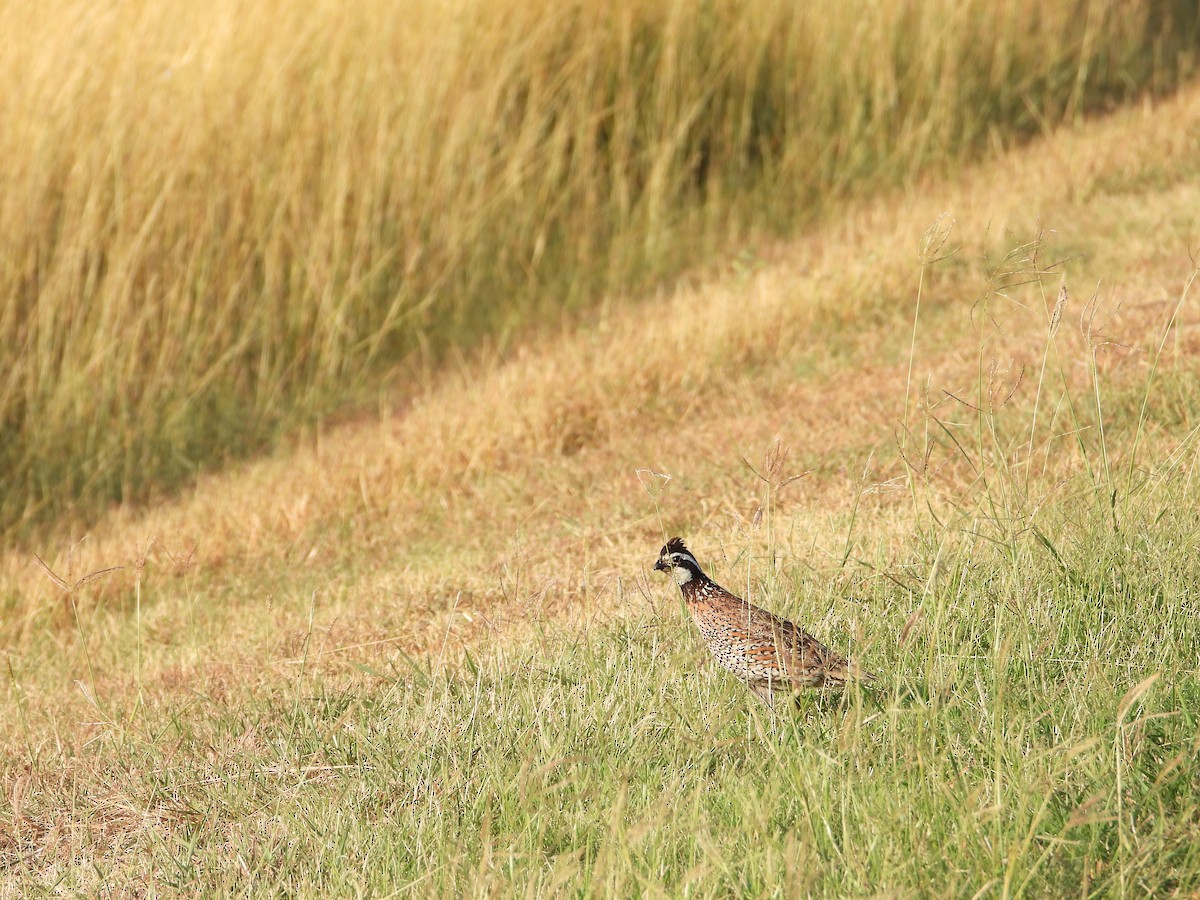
[{"x": 771, "y": 655}]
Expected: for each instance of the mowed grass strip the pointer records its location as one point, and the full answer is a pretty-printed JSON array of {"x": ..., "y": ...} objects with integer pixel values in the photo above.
[{"x": 219, "y": 222}]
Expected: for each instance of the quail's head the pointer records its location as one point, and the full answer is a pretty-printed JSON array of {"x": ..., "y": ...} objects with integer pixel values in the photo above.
[{"x": 678, "y": 560}]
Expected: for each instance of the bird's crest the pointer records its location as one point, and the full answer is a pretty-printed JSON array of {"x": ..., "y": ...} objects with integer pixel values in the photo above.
[{"x": 676, "y": 545}]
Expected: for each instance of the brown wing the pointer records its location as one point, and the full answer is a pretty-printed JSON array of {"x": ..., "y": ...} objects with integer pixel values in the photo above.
[
  {"x": 810, "y": 663},
  {"x": 759, "y": 646},
  {"x": 806, "y": 660}
]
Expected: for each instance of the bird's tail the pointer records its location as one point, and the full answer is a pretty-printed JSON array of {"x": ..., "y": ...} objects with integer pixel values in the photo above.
[{"x": 848, "y": 672}]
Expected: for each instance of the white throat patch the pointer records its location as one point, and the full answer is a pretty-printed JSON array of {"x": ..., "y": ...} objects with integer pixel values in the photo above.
[{"x": 681, "y": 574}]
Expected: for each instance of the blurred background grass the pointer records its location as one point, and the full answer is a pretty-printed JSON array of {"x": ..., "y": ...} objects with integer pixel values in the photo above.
[{"x": 221, "y": 221}]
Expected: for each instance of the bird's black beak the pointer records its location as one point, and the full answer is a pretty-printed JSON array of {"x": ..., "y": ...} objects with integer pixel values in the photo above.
[{"x": 660, "y": 566}]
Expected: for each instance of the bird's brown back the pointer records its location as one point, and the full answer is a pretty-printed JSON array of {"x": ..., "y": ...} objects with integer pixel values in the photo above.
[{"x": 760, "y": 647}]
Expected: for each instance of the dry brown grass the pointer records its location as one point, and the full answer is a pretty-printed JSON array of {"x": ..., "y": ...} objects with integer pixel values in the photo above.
[
  {"x": 224, "y": 220},
  {"x": 510, "y": 492}
]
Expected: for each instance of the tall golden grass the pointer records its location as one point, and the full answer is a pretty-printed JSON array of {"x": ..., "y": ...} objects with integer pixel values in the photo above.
[{"x": 221, "y": 219}]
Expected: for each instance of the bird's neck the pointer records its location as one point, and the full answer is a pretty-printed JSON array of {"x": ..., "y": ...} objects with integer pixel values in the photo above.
[{"x": 694, "y": 586}]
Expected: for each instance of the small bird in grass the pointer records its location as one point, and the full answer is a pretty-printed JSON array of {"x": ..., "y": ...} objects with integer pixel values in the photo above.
[{"x": 771, "y": 655}]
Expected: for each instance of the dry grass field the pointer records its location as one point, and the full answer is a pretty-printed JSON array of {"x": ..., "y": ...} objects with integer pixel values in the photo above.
[
  {"x": 224, "y": 222},
  {"x": 420, "y": 650}
]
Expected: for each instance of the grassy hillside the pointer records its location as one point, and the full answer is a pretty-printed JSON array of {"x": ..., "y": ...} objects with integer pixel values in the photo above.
[
  {"x": 424, "y": 652},
  {"x": 220, "y": 221}
]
